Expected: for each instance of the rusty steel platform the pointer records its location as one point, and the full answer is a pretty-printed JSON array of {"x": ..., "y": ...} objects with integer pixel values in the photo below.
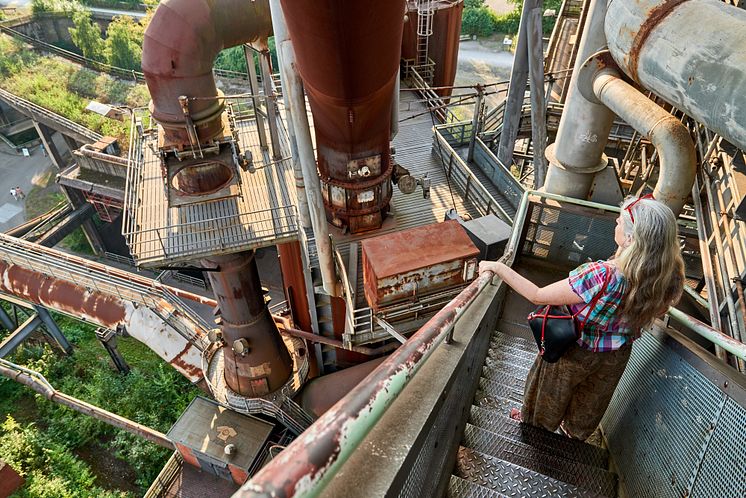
[{"x": 262, "y": 214}]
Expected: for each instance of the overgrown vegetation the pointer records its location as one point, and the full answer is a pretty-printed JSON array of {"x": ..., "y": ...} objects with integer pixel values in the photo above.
[
  {"x": 66, "y": 89},
  {"x": 478, "y": 19},
  {"x": 43, "y": 449}
]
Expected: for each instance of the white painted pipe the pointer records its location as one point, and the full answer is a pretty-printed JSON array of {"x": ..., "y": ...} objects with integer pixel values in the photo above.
[
  {"x": 678, "y": 162},
  {"x": 296, "y": 103}
]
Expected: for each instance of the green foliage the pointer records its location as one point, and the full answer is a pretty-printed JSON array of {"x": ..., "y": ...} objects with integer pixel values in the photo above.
[
  {"x": 50, "y": 468},
  {"x": 473, "y": 4},
  {"x": 152, "y": 394},
  {"x": 66, "y": 6},
  {"x": 508, "y": 23},
  {"x": 124, "y": 43},
  {"x": 478, "y": 21},
  {"x": 231, "y": 59},
  {"x": 86, "y": 35}
]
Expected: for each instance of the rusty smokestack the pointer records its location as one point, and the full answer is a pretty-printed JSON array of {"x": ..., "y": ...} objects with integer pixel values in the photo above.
[
  {"x": 348, "y": 56},
  {"x": 257, "y": 361},
  {"x": 179, "y": 50}
]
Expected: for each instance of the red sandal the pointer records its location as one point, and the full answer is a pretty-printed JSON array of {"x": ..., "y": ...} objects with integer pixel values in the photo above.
[{"x": 515, "y": 414}]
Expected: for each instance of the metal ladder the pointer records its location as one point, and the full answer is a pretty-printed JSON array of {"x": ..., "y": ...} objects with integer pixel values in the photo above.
[{"x": 425, "y": 14}]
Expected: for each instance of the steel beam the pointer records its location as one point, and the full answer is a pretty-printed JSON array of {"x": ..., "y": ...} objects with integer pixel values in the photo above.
[
  {"x": 45, "y": 134},
  {"x": 6, "y": 321},
  {"x": 19, "y": 335},
  {"x": 535, "y": 51},
  {"x": 53, "y": 329}
]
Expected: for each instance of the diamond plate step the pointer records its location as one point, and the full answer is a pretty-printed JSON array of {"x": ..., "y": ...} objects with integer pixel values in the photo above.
[
  {"x": 556, "y": 444},
  {"x": 584, "y": 476},
  {"x": 526, "y": 344},
  {"x": 501, "y": 355},
  {"x": 516, "y": 368},
  {"x": 516, "y": 330},
  {"x": 511, "y": 479},
  {"x": 494, "y": 388},
  {"x": 497, "y": 404},
  {"x": 461, "y": 488},
  {"x": 505, "y": 377},
  {"x": 515, "y": 350}
]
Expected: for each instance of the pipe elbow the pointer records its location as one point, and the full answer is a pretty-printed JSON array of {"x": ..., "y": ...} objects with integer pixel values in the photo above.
[{"x": 678, "y": 162}]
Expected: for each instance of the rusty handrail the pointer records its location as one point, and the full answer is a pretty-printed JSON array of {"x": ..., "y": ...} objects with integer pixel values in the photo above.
[{"x": 307, "y": 465}]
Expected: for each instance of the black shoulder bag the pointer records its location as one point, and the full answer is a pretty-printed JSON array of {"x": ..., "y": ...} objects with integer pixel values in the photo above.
[{"x": 555, "y": 328}]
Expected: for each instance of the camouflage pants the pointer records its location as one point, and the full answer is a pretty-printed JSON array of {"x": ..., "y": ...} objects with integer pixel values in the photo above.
[{"x": 575, "y": 391}]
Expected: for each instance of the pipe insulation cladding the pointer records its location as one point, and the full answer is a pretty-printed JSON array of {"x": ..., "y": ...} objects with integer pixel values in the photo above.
[
  {"x": 348, "y": 57},
  {"x": 688, "y": 52}
]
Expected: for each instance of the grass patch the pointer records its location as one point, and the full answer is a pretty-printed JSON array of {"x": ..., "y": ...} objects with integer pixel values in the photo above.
[
  {"x": 152, "y": 394},
  {"x": 66, "y": 88}
]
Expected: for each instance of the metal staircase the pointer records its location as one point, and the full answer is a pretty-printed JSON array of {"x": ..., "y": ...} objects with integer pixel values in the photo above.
[{"x": 501, "y": 457}]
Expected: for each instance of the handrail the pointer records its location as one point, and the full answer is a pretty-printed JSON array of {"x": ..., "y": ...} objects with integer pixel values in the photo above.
[{"x": 726, "y": 342}]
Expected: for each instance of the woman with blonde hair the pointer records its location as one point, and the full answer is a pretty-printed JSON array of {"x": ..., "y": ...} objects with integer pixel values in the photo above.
[{"x": 644, "y": 277}]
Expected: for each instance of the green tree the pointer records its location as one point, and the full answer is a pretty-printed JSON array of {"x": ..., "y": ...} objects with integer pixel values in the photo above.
[
  {"x": 124, "y": 43},
  {"x": 86, "y": 35},
  {"x": 479, "y": 21}
]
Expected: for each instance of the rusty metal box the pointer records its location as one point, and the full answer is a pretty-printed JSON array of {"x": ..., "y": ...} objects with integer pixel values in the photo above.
[{"x": 404, "y": 266}]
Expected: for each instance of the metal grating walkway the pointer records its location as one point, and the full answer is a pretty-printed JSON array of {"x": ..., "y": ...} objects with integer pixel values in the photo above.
[{"x": 262, "y": 214}]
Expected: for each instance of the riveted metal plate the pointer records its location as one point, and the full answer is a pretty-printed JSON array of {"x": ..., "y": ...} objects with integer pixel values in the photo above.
[
  {"x": 584, "y": 476},
  {"x": 493, "y": 388},
  {"x": 560, "y": 446},
  {"x": 461, "y": 488},
  {"x": 660, "y": 420},
  {"x": 510, "y": 479}
]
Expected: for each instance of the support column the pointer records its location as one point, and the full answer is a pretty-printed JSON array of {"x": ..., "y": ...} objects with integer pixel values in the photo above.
[
  {"x": 254, "y": 88},
  {"x": 72, "y": 144},
  {"x": 108, "y": 339},
  {"x": 269, "y": 94},
  {"x": 5, "y": 320},
  {"x": 538, "y": 107},
  {"x": 89, "y": 228},
  {"x": 19, "y": 335},
  {"x": 256, "y": 360},
  {"x": 53, "y": 329},
  {"x": 45, "y": 133},
  {"x": 516, "y": 90}
]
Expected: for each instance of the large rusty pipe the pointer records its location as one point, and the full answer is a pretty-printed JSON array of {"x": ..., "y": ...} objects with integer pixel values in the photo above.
[
  {"x": 690, "y": 53},
  {"x": 257, "y": 361},
  {"x": 179, "y": 49},
  {"x": 307, "y": 465},
  {"x": 577, "y": 153},
  {"x": 678, "y": 161},
  {"x": 348, "y": 55},
  {"x": 37, "y": 382},
  {"x": 105, "y": 310}
]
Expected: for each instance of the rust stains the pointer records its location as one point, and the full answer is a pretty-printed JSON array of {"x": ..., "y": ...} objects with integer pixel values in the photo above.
[
  {"x": 103, "y": 309},
  {"x": 655, "y": 17},
  {"x": 192, "y": 371}
]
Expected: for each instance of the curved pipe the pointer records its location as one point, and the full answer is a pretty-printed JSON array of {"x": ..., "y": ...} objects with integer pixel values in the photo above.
[
  {"x": 179, "y": 48},
  {"x": 678, "y": 162},
  {"x": 690, "y": 53}
]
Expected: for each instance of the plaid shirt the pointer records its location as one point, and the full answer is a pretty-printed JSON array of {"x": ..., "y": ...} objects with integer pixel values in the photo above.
[{"x": 604, "y": 330}]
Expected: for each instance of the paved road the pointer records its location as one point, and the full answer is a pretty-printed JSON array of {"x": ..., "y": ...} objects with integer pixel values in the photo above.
[{"x": 20, "y": 171}]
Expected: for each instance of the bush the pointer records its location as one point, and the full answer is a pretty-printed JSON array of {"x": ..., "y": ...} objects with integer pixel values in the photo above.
[
  {"x": 478, "y": 21},
  {"x": 508, "y": 23}
]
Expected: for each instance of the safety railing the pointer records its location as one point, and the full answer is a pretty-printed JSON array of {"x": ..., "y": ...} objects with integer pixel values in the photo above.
[{"x": 458, "y": 171}]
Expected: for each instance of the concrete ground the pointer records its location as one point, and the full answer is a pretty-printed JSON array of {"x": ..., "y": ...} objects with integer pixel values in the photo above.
[{"x": 25, "y": 172}]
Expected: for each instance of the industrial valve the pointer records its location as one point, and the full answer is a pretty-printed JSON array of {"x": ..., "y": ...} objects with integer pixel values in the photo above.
[
  {"x": 407, "y": 183},
  {"x": 241, "y": 347}
]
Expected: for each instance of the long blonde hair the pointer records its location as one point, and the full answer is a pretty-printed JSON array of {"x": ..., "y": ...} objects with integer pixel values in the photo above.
[{"x": 651, "y": 263}]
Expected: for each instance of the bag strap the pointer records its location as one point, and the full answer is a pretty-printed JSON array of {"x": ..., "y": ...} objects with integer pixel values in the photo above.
[{"x": 594, "y": 301}]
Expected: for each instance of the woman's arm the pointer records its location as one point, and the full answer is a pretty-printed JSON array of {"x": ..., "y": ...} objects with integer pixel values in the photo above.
[{"x": 556, "y": 294}]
